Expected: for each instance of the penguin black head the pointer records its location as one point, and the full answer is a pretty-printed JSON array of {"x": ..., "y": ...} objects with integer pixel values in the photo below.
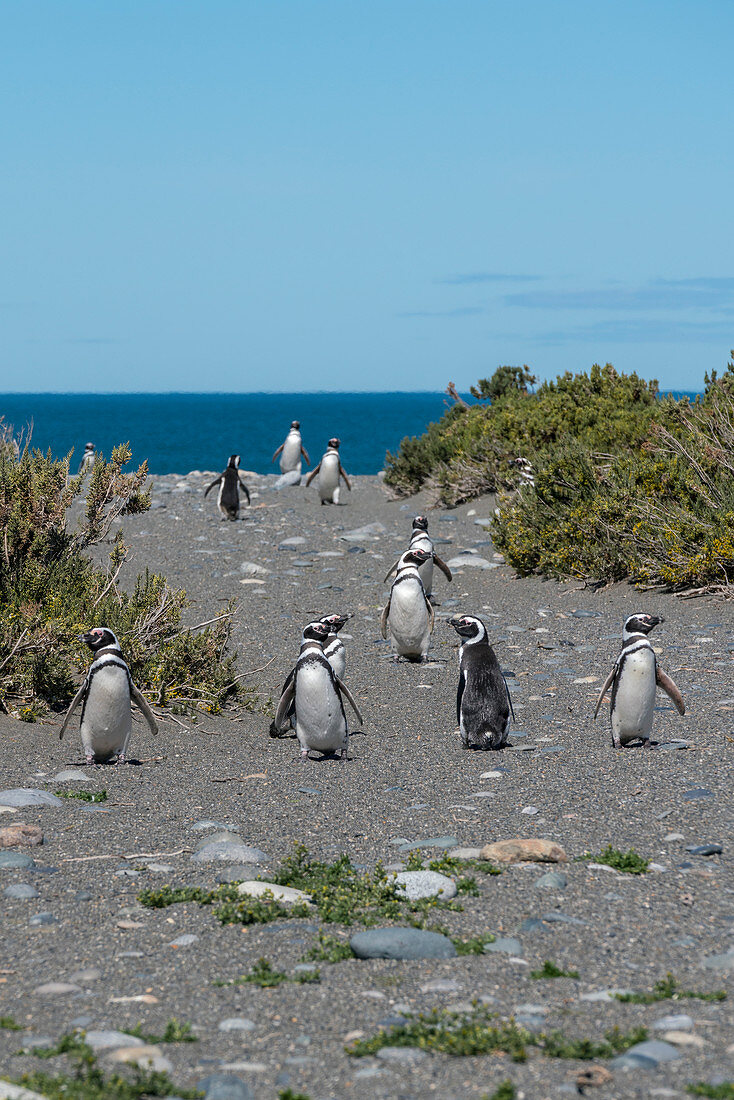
[
  {"x": 415, "y": 557},
  {"x": 100, "y": 637},
  {"x": 89, "y": 447},
  {"x": 334, "y": 443},
  {"x": 640, "y": 624},
  {"x": 295, "y": 425},
  {"x": 420, "y": 523},
  {"x": 234, "y": 462},
  {"x": 468, "y": 627},
  {"x": 316, "y": 632},
  {"x": 335, "y": 622}
]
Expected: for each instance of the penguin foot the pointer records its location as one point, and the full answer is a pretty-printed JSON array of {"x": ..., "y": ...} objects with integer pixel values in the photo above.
[
  {"x": 648, "y": 744},
  {"x": 304, "y": 756},
  {"x": 120, "y": 758},
  {"x": 343, "y": 756},
  {"x": 89, "y": 759}
]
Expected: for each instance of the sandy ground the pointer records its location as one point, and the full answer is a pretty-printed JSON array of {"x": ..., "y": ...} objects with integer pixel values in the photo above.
[{"x": 406, "y": 777}]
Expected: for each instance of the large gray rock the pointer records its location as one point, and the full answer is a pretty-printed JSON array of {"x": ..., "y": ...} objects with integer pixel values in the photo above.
[
  {"x": 20, "y": 890},
  {"x": 110, "y": 1040},
  {"x": 15, "y": 861},
  {"x": 415, "y": 885},
  {"x": 71, "y": 775},
  {"x": 647, "y": 1055},
  {"x": 401, "y": 943},
  {"x": 28, "y": 796},
  {"x": 369, "y": 533},
  {"x": 469, "y": 560}
]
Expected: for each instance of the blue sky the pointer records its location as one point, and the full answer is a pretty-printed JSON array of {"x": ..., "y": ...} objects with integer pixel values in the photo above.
[{"x": 363, "y": 195}]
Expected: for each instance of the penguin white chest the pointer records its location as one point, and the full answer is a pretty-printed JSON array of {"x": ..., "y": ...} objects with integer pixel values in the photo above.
[
  {"x": 107, "y": 720},
  {"x": 290, "y": 456},
  {"x": 329, "y": 476},
  {"x": 320, "y": 722},
  {"x": 634, "y": 701},
  {"x": 408, "y": 618}
]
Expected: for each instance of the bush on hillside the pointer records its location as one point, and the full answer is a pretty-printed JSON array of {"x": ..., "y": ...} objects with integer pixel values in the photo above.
[{"x": 51, "y": 591}]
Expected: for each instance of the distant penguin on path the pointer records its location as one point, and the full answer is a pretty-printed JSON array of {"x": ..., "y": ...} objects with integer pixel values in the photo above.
[
  {"x": 88, "y": 458},
  {"x": 229, "y": 482},
  {"x": 106, "y": 722},
  {"x": 292, "y": 450},
  {"x": 421, "y": 540},
  {"x": 483, "y": 704},
  {"x": 408, "y": 616},
  {"x": 316, "y": 692},
  {"x": 329, "y": 471},
  {"x": 633, "y": 681}
]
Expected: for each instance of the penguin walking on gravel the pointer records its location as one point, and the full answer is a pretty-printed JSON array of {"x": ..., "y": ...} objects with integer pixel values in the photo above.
[
  {"x": 317, "y": 694},
  {"x": 335, "y": 653},
  {"x": 633, "y": 680},
  {"x": 408, "y": 615},
  {"x": 329, "y": 472},
  {"x": 229, "y": 482},
  {"x": 292, "y": 450},
  {"x": 421, "y": 540},
  {"x": 106, "y": 722},
  {"x": 483, "y": 703}
]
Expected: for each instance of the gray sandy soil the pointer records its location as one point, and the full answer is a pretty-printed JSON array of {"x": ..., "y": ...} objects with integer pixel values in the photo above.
[{"x": 407, "y": 777}]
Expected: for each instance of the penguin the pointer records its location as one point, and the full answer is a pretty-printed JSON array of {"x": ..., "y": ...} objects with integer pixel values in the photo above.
[
  {"x": 408, "y": 614},
  {"x": 483, "y": 703},
  {"x": 88, "y": 458},
  {"x": 316, "y": 692},
  {"x": 229, "y": 482},
  {"x": 329, "y": 471},
  {"x": 421, "y": 540},
  {"x": 291, "y": 451},
  {"x": 106, "y": 722},
  {"x": 334, "y": 651},
  {"x": 633, "y": 681}
]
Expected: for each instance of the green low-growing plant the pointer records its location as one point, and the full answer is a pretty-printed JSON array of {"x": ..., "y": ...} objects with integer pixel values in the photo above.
[
  {"x": 52, "y": 590},
  {"x": 176, "y": 1032},
  {"x": 330, "y": 949},
  {"x": 549, "y": 969},
  {"x": 264, "y": 975},
  {"x": 629, "y": 862},
  {"x": 229, "y": 907},
  {"x": 556, "y": 1045},
  {"x": 504, "y": 1091},
  {"x": 7, "y": 1023},
  {"x": 668, "y": 989},
  {"x": 89, "y": 1082},
  {"x": 289, "y": 1094},
  {"x": 473, "y": 946},
  {"x": 724, "y": 1091},
  {"x": 84, "y": 796}
]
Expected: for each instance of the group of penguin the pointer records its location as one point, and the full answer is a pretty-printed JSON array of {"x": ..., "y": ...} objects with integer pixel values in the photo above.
[
  {"x": 312, "y": 698},
  {"x": 329, "y": 472}
]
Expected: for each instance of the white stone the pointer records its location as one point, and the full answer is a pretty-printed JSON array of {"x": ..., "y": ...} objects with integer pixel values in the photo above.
[
  {"x": 415, "y": 885},
  {"x": 147, "y": 1057},
  {"x": 285, "y": 894}
]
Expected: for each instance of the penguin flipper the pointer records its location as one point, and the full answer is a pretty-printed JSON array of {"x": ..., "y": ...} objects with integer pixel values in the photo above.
[
  {"x": 349, "y": 697},
  {"x": 304, "y": 452},
  {"x": 289, "y": 694},
  {"x": 313, "y": 473},
  {"x": 459, "y": 695},
  {"x": 431, "y": 612},
  {"x": 72, "y": 707},
  {"x": 215, "y": 482},
  {"x": 604, "y": 690},
  {"x": 391, "y": 570},
  {"x": 670, "y": 690},
  {"x": 383, "y": 619},
  {"x": 280, "y": 448},
  {"x": 443, "y": 567},
  {"x": 245, "y": 490},
  {"x": 142, "y": 703},
  {"x": 346, "y": 479},
  {"x": 509, "y": 697}
]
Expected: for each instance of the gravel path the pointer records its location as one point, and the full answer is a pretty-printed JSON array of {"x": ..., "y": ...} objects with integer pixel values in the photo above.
[{"x": 407, "y": 778}]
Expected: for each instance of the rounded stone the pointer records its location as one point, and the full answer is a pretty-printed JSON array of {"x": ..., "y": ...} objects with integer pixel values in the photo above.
[
  {"x": 236, "y": 1023},
  {"x": 228, "y": 852},
  {"x": 28, "y": 796},
  {"x": 504, "y": 945},
  {"x": 109, "y": 1040},
  {"x": 20, "y": 890},
  {"x": 416, "y": 885},
  {"x": 553, "y": 880},
  {"x": 223, "y": 1086},
  {"x": 402, "y": 1056},
  {"x": 41, "y": 919},
  {"x": 15, "y": 861},
  {"x": 401, "y": 943},
  {"x": 287, "y": 895}
]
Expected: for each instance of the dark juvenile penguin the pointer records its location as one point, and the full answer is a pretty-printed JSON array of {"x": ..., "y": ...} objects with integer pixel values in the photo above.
[
  {"x": 633, "y": 681},
  {"x": 421, "y": 540},
  {"x": 292, "y": 450},
  {"x": 483, "y": 703},
  {"x": 408, "y": 616},
  {"x": 106, "y": 722},
  {"x": 329, "y": 471},
  {"x": 316, "y": 692},
  {"x": 229, "y": 482},
  {"x": 334, "y": 651}
]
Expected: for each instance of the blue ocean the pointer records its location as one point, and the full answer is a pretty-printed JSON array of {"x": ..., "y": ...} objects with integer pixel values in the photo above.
[{"x": 179, "y": 432}]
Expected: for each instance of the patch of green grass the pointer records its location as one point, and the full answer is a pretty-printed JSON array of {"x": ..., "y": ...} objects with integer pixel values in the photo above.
[
  {"x": 84, "y": 796},
  {"x": 457, "y": 1033},
  {"x": 229, "y": 906},
  {"x": 668, "y": 989},
  {"x": 556, "y": 1045},
  {"x": 89, "y": 1082},
  {"x": 629, "y": 862},
  {"x": 264, "y": 975},
  {"x": 724, "y": 1091},
  {"x": 176, "y": 1032},
  {"x": 504, "y": 1091},
  {"x": 550, "y": 970},
  {"x": 289, "y": 1094},
  {"x": 474, "y": 946},
  {"x": 330, "y": 949},
  {"x": 7, "y": 1023}
]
